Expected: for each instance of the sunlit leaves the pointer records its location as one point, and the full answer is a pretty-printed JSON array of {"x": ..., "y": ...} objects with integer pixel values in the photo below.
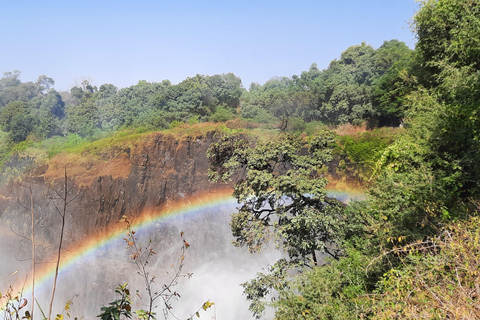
[{"x": 282, "y": 198}]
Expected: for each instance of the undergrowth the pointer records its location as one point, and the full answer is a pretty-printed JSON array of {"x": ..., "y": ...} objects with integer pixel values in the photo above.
[
  {"x": 439, "y": 278},
  {"x": 358, "y": 153}
]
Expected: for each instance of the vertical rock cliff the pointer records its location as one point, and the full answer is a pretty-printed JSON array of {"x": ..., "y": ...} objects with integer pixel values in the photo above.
[{"x": 123, "y": 179}]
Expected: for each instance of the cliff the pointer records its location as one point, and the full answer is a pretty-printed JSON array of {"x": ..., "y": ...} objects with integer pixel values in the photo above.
[{"x": 127, "y": 178}]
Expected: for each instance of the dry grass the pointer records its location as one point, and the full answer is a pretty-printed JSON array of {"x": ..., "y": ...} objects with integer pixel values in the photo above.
[
  {"x": 186, "y": 130},
  {"x": 349, "y": 129},
  {"x": 111, "y": 156},
  {"x": 85, "y": 169},
  {"x": 442, "y": 284}
]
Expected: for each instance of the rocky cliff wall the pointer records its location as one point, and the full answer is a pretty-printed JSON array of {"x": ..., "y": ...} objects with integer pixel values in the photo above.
[{"x": 126, "y": 179}]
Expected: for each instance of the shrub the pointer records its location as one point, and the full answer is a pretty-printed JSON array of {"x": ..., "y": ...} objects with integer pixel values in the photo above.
[{"x": 438, "y": 280}]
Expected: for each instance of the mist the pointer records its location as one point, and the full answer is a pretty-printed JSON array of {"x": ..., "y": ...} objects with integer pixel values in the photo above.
[{"x": 217, "y": 268}]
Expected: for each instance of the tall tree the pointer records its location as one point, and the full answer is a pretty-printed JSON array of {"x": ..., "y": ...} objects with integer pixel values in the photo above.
[
  {"x": 282, "y": 198},
  {"x": 449, "y": 46}
]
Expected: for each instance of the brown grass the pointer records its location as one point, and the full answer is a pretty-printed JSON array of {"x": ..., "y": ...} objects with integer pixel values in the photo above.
[
  {"x": 443, "y": 284},
  {"x": 349, "y": 129},
  {"x": 84, "y": 169}
]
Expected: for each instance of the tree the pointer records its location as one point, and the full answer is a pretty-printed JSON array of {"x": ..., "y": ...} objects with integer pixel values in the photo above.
[
  {"x": 10, "y": 79},
  {"x": 44, "y": 83},
  {"x": 52, "y": 102},
  {"x": 11, "y": 110},
  {"x": 21, "y": 126},
  {"x": 282, "y": 197},
  {"x": 12, "y": 89},
  {"x": 141, "y": 255},
  {"x": 280, "y": 98},
  {"x": 449, "y": 46},
  {"x": 82, "y": 119},
  {"x": 17, "y": 121},
  {"x": 65, "y": 193},
  {"x": 227, "y": 89},
  {"x": 397, "y": 70}
]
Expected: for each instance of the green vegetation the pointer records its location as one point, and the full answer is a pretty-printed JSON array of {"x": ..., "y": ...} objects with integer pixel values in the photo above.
[
  {"x": 348, "y": 91},
  {"x": 283, "y": 199},
  {"x": 358, "y": 154},
  {"x": 409, "y": 249}
]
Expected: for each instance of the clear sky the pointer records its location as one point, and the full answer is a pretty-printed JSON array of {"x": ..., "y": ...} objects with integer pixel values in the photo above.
[{"x": 122, "y": 42}]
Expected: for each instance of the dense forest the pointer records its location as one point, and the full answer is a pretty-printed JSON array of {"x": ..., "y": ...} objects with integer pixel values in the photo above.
[
  {"x": 355, "y": 88},
  {"x": 409, "y": 250}
]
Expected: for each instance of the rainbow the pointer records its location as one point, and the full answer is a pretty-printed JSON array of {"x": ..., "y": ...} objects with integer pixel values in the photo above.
[
  {"x": 86, "y": 249},
  {"x": 180, "y": 208}
]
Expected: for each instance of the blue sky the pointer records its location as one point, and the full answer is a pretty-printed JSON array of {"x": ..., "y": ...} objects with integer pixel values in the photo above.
[{"x": 122, "y": 42}]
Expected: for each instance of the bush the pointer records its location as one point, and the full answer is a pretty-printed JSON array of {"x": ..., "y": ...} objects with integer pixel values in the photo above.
[
  {"x": 442, "y": 284},
  {"x": 222, "y": 114},
  {"x": 55, "y": 145},
  {"x": 174, "y": 124}
]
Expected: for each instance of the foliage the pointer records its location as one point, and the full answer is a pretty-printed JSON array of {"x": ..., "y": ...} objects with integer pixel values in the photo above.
[
  {"x": 282, "y": 197},
  {"x": 341, "y": 93},
  {"x": 11, "y": 305},
  {"x": 205, "y": 306},
  {"x": 21, "y": 126},
  {"x": 265, "y": 284},
  {"x": 11, "y": 110},
  {"x": 332, "y": 291},
  {"x": 448, "y": 46},
  {"x": 141, "y": 256},
  {"x": 354, "y": 88},
  {"x": 12, "y": 89},
  {"x": 438, "y": 279},
  {"x": 421, "y": 182},
  {"x": 121, "y": 307},
  {"x": 280, "y": 192},
  {"x": 358, "y": 154},
  {"x": 399, "y": 253},
  {"x": 221, "y": 114},
  {"x": 398, "y": 70},
  {"x": 58, "y": 144}
]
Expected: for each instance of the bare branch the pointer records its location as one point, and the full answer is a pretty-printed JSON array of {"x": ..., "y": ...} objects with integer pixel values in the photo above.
[
  {"x": 28, "y": 259},
  {"x": 18, "y": 234}
]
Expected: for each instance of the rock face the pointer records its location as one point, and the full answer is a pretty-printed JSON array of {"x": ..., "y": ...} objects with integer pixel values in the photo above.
[{"x": 147, "y": 174}]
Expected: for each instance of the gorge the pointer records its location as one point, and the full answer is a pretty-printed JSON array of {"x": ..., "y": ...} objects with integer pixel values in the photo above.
[{"x": 159, "y": 181}]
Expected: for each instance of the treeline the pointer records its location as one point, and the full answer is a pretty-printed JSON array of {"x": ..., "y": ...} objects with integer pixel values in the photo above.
[
  {"x": 34, "y": 108},
  {"x": 355, "y": 88}
]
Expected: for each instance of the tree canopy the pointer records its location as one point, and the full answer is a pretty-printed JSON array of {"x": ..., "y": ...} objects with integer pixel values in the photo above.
[{"x": 282, "y": 198}]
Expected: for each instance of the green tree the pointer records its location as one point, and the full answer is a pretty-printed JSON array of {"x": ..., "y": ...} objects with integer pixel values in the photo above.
[
  {"x": 449, "y": 46},
  {"x": 44, "y": 83},
  {"x": 12, "y": 89},
  {"x": 282, "y": 198},
  {"x": 11, "y": 110},
  {"x": 82, "y": 119},
  {"x": 398, "y": 71},
  {"x": 21, "y": 126}
]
